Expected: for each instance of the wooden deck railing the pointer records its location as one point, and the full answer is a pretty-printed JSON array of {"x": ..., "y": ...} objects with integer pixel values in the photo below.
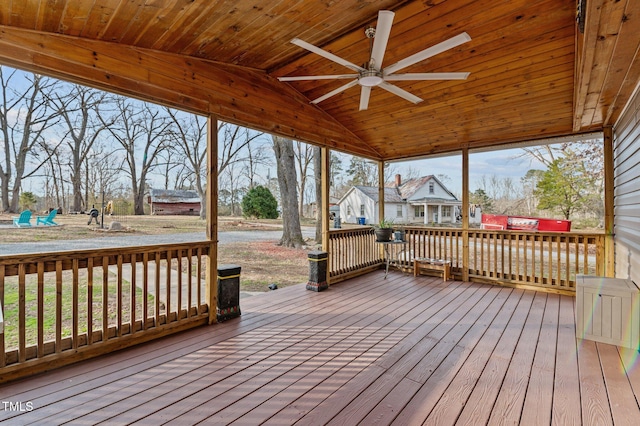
[
  {"x": 548, "y": 260},
  {"x": 352, "y": 252},
  {"x": 59, "y": 307}
]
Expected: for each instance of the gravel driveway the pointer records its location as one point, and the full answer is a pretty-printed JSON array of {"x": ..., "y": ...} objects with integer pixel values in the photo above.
[{"x": 136, "y": 240}]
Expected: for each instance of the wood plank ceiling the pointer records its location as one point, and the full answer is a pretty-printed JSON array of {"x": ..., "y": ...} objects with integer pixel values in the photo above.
[{"x": 533, "y": 75}]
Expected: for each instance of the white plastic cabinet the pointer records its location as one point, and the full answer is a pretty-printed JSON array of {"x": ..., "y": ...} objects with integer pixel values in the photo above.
[{"x": 608, "y": 310}]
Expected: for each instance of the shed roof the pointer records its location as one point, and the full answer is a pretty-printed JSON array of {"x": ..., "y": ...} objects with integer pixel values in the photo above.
[{"x": 173, "y": 196}]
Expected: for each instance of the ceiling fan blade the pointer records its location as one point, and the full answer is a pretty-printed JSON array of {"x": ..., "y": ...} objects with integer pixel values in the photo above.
[
  {"x": 335, "y": 92},
  {"x": 428, "y": 76},
  {"x": 383, "y": 29},
  {"x": 365, "y": 92},
  {"x": 310, "y": 47},
  {"x": 400, "y": 92},
  {"x": 428, "y": 52},
  {"x": 318, "y": 77}
]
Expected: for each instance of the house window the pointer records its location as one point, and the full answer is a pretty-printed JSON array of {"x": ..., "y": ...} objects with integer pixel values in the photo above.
[
  {"x": 399, "y": 210},
  {"x": 348, "y": 210},
  {"x": 418, "y": 211},
  {"x": 431, "y": 188},
  {"x": 362, "y": 210},
  {"x": 446, "y": 211}
]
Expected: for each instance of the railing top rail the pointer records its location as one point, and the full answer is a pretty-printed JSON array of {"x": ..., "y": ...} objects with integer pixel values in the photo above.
[
  {"x": 96, "y": 252},
  {"x": 363, "y": 230}
]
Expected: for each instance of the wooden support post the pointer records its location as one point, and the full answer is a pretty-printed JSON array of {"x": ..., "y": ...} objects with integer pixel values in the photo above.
[
  {"x": 381, "y": 203},
  {"x": 609, "y": 254},
  {"x": 380, "y": 191},
  {"x": 325, "y": 155},
  {"x": 211, "y": 293},
  {"x": 465, "y": 214}
]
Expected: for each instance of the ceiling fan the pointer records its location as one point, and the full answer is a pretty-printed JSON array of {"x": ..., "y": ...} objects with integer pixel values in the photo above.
[{"x": 372, "y": 74}]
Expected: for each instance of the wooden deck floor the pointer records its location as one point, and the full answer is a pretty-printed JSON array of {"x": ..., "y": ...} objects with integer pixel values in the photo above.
[{"x": 367, "y": 351}]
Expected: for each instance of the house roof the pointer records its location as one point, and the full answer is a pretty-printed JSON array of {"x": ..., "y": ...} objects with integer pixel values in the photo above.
[
  {"x": 533, "y": 73},
  {"x": 408, "y": 188},
  {"x": 173, "y": 196},
  {"x": 390, "y": 194}
]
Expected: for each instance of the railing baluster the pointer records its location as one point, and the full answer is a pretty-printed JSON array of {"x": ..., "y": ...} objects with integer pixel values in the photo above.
[
  {"x": 40, "y": 304},
  {"x": 157, "y": 290},
  {"x": 198, "y": 283},
  {"x": 90, "y": 301},
  {"x": 189, "y": 281},
  {"x": 105, "y": 298},
  {"x": 58, "y": 306},
  {"x": 22, "y": 319},
  {"x": 168, "y": 287},
  {"x": 145, "y": 290},
  {"x": 75, "y": 282},
  {"x": 132, "y": 298},
  {"x": 179, "y": 285},
  {"x": 119, "y": 297}
]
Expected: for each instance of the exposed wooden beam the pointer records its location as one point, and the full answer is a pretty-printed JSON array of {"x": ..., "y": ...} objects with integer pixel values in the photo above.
[{"x": 235, "y": 94}]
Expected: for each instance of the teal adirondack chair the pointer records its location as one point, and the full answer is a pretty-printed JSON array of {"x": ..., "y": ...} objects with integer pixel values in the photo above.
[
  {"x": 24, "y": 220},
  {"x": 47, "y": 220}
]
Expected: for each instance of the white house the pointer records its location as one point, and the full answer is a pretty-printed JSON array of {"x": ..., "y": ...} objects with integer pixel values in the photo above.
[{"x": 422, "y": 200}]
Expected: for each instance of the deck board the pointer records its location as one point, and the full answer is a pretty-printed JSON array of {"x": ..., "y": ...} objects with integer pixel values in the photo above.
[{"x": 402, "y": 350}]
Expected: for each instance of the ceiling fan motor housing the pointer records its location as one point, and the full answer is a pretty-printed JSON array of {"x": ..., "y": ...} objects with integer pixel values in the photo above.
[{"x": 370, "y": 78}]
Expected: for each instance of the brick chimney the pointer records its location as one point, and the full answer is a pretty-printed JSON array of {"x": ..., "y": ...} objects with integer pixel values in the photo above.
[{"x": 398, "y": 180}]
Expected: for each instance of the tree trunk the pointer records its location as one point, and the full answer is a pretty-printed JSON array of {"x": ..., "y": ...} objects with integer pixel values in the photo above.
[
  {"x": 285, "y": 161},
  {"x": 317, "y": 172}
]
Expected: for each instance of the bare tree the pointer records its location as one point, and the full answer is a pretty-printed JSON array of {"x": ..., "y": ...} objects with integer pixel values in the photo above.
[
  {"x": 25, "y": 118},
  {"x": 142, "y": 130},
  {"x": 190, "y": 133},
  {"x": 304, "y": 157},
  {"x": 103, "y": 167},
  {"x": 80, "y": 108},
  {"x": 255, "y": 157},
  {"x": 285, "y": 162}
]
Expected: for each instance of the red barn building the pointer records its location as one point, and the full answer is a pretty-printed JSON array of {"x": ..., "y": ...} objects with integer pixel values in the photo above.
[{"x": 174, "y": 202}]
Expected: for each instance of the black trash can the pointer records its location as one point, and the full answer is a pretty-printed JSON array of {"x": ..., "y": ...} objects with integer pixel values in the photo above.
[{"x": 228, "y": 292}]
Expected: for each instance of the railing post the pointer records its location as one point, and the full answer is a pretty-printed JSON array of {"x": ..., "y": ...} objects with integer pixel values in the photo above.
[
  {"x": 465, "y": 214},
  {"x": 228, "y": 292},
  {"x": 211, "y": 293},
  {"x": 325, "y": 155},
  {"x": 317, "y": 271}
]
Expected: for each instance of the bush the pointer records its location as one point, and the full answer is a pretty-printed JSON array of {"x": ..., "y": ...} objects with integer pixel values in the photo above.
[
  {"x": 260, "y": 203},
  {"x": 28, "y": 200}
]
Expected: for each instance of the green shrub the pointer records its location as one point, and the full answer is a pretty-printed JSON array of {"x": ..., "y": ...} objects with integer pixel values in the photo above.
[{"x": 260, "y": 203}]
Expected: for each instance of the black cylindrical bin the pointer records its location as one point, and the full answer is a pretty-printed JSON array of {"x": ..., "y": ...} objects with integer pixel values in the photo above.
[
  {"x": 317, "y": 270},
  {"x": 228, "y": 292}
]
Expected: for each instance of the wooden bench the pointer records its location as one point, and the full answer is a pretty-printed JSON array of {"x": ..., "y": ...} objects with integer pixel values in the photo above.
[{"x": 427, "y": 264}]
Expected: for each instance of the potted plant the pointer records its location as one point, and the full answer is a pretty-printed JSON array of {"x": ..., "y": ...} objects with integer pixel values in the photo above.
[{"x": 384, "y": 230}]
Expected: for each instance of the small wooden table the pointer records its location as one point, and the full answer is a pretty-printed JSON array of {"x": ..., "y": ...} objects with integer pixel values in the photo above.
[{"x": 420, "y": 263}]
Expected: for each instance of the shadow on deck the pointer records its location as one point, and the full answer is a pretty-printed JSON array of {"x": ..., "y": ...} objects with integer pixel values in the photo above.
[{"x": 403, "y": 350}]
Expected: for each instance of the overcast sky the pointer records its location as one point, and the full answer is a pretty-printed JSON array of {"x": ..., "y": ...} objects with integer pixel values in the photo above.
[{"x": 507, "y": 163}]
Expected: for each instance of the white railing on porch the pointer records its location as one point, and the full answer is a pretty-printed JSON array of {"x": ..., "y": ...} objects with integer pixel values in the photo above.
[{"x": 63, "y": 306}]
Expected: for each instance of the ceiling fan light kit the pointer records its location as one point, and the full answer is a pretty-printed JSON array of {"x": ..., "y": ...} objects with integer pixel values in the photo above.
[{"x": 373, "y": 74}]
